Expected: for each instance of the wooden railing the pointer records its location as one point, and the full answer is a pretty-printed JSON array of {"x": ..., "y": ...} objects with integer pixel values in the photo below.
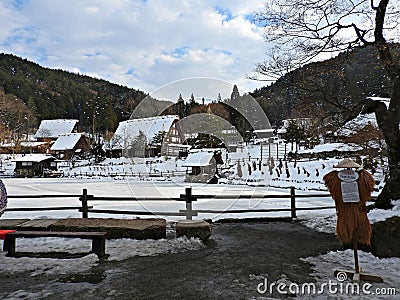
[{"x": 187, "y": 197}]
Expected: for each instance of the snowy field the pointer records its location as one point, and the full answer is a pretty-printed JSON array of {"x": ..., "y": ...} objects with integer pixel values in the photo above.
[
  {"x": 321, "y": 220},
  {"x": 252, "y": 165}
]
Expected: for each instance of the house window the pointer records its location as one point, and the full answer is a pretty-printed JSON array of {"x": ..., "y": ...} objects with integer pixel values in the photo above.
[
  {"x": 196, "y": 170},
  {"x": 26, "y": 164}
]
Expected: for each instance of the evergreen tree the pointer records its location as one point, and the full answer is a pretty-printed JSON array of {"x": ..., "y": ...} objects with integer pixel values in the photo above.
[
  {"x": 138, "y": 146},
  {"x": 180, "y": 107},
  {"x": 294, "y": 134},
  {"x": 235, "y": 93},
  {"x": 157, "y": 141},
  {"x": 219, "y": 98}
]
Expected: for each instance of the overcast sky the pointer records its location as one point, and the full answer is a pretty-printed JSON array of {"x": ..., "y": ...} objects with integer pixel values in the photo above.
[{"x": 140, "y": 44}]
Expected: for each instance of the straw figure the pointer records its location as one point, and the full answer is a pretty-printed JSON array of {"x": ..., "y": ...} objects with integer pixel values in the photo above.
[
  {"x": 239, "y": 169},
  {"x": 352, "y": 221},
  {"x": 351, "y": 190}
]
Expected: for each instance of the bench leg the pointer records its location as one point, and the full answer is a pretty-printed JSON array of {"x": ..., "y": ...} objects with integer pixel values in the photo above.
[
  {"x": 5, "y": 245},
  {"x": 99, "y": 247},
  {"x": 9, "y": 245}
]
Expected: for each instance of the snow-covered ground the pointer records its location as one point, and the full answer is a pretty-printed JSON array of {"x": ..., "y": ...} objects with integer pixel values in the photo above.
[
  {"x": 323, "y": 220},
  {"x": 260, "y": 165},
  {"x": 110, "y": 178}
]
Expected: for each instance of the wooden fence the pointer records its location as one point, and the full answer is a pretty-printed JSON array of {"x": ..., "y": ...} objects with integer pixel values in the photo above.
[
  {"x": 188, "y": 198},
  {"x": 123, "y": 174}
]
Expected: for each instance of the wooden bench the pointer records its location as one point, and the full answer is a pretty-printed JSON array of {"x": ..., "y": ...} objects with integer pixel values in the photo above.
[{"x": 98, "y": 239}]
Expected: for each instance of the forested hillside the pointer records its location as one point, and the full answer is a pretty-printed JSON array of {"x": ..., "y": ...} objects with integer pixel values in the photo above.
[
  {"x": 330, "y": 91},
  {"x": 30, "y": 93},
  {"x": 47, "y": 94}
]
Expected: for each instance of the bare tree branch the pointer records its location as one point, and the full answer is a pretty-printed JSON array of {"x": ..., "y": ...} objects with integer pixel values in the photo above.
[{"x": 304, "y": 30}]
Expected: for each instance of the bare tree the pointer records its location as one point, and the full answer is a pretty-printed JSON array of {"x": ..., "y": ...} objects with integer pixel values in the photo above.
[
  {"x": 14, "y": 117},
  {"x": 300, "y": 31}
]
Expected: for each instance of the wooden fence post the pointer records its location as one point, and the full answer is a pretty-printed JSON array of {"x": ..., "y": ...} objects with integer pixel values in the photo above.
[
  {"x": 188, "y": 197},
  {"x": 84, "y": 204},
  {"x": 293, "y": 201}
]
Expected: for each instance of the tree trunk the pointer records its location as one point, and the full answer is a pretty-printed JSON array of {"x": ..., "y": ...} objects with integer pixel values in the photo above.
[
  {"x": 388, "y": 120},
  {"x": 390, "y": 128}
]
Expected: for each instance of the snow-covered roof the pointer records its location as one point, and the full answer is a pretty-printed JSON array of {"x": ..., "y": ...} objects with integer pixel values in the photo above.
[
  {"x": 128, "y": 130},
  {"x": 198, "y": 159},
  {"x": 66, "y": 141},
  {"x": 23, "y": 144},
  {"x": 281, "y": 130},
  {"x": 34, "y": 157},
  {"x": 53, "y": 128},
  {"x": 32, "y": 144},
  {"x": 358, "y": 123},
  {"x": 267, "y": 130}
]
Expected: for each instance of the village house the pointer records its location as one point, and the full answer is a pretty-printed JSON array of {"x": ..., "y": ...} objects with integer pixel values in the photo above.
[
  {"x": 202, "y": 165},
  {"x": 136, "y": 137},
  {"x": 34, "y": 165},
  {"x": 68, "y": 145},
  {"x": 264, "y": 133},
  {"x": 34, "y": 147},
  {"x": 24, "y": 147},
  {"x": 49, "y": 130},
  {"x": 47, "y": 133},
  {"x": 231, "y": 138},
  {"x": 303, "y": 123}
]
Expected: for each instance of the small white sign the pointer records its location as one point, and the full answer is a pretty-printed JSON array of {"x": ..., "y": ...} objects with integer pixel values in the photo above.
[
  {"x": 348, "y": 175},
  {"x": 350, "y": 191}
]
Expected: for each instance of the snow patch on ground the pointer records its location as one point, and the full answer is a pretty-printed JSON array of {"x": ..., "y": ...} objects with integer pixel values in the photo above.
[
  {"x": 387, "y": 268},
  {"x": 320, "y": 223},
  {"x": 326, "y": 222},
  {"x": 377, "y": 215},
  {"x": 118, "y": 249}
]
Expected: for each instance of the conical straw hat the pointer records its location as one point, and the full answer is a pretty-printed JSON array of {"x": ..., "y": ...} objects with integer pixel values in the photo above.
[{"x": 347, "y": 163}]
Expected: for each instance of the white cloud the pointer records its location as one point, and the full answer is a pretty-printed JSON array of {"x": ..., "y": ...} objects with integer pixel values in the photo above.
[{"x": 140, "y": 44}]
